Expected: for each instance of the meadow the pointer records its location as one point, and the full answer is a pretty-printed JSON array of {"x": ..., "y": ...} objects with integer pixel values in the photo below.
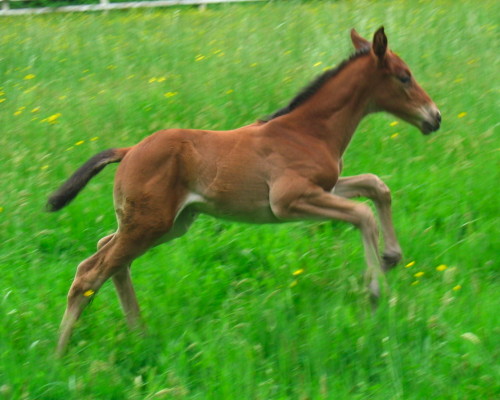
[{"x": 237, "y": 311}]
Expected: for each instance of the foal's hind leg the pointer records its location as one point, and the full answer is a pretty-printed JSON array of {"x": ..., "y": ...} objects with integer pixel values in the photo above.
[
  {"x": 125, "y": 290},
  {"x": 113, "y": 258},
  {"x": 372, "y": 187},
  {"x": 122, "y": 279},
  {"x": 90, "y": 276},
  {"x": 114, "y": 255},
  {"x": 128, "y": 299}
]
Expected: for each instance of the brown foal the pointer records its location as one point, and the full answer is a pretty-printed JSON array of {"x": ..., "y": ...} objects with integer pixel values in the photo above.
[{"x": 283, "y": 168}]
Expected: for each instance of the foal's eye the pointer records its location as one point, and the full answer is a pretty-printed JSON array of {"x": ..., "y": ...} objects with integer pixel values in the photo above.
[{"x": 405, "y": 79}]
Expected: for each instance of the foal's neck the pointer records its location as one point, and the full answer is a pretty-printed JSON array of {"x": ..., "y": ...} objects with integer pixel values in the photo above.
[{"x": 334, "y": 112}]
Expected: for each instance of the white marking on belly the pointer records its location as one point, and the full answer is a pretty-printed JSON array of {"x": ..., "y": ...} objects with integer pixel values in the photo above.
[{"x": 259, "y": 213}]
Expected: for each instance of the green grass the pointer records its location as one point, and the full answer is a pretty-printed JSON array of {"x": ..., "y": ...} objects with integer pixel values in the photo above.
[{"x": 225, "y": 318}]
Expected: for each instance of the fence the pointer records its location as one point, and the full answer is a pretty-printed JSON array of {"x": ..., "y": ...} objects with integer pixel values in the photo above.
[{"x": 105, "y": 5}]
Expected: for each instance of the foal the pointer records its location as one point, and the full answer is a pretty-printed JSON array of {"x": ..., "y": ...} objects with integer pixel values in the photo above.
[{"x": 284, "y": 168}]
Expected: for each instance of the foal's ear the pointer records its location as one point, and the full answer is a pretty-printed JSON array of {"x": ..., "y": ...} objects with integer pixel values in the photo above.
[
  {"x": 358, "y": 41},
  {"x": 380, "y": 45}
]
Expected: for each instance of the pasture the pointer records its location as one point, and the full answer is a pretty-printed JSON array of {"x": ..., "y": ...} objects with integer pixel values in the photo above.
[{"x": 237, "y": 311}]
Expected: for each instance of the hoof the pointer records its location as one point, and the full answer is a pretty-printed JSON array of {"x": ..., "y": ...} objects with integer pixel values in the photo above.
[{"x": 390, "y": 260}]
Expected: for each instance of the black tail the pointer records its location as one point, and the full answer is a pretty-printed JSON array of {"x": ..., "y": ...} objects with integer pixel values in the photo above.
[{"x": 69, "y": 189}]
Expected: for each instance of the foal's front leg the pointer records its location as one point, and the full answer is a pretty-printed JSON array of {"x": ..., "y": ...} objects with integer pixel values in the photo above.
[
  {"x": 307, "y": 201},
  {"x": 374, "y": 188}
]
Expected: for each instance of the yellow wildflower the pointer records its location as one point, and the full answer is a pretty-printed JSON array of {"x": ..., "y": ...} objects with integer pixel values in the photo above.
[
  {"x": 298, "y": 272},
  {"x": 462, "y": 114},
  {"x": 318, "y": 64},
  {"x": 80, "y": 142},
  {"x": 419, "y": 274},
  {"x": 199, "y": 57},
  {"x": 2, "y": 100},
  {"x": 410, "y": 264},
  {"x": 229, "y": 91},
  {"x": 153, "y": 79},
  {"x": 35, "y": 110},
  {"x": 29, "y": 76},
  {"x": 52, "y": 119},
  {"x": 1, "y": 209},
  {"x": 457, "y": 288},
  {"x": 19, "y": 111},
  {"x": 44, "y": 167},
  {"x": 441, "y": 267},
  {"x": 170, "y": 94},
  {"x": 394, "y": 123},
  {"x": 394, "y": 135},
  {"x": 94, "y": 138},
  {"x": 88, "y": 293}
]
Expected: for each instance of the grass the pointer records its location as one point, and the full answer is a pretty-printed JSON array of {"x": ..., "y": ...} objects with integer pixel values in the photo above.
[{"x": 226, "y": 316}]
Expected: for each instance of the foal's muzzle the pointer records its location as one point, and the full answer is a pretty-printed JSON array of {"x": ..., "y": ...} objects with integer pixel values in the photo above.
[{"x": 432, "y": 121}]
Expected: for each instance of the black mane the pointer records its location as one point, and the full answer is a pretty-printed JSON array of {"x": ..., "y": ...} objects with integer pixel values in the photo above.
[{"x": 314, "y": 86}]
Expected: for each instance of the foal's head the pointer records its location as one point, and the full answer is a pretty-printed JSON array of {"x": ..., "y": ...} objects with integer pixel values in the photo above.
[{"x": 394, "y": 89}]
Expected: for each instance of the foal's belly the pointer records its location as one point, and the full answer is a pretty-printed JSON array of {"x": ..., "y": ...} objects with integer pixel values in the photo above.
[{"x": 232, "y": 208}]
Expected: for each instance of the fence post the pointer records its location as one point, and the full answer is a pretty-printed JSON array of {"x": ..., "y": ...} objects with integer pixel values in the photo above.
[{"x": 5, "y": 5}]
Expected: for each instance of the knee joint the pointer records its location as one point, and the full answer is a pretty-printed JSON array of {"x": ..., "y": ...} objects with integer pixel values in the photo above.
[
  {"x": 104, "y": 241},
  {"x": 380, "y": 189}
]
